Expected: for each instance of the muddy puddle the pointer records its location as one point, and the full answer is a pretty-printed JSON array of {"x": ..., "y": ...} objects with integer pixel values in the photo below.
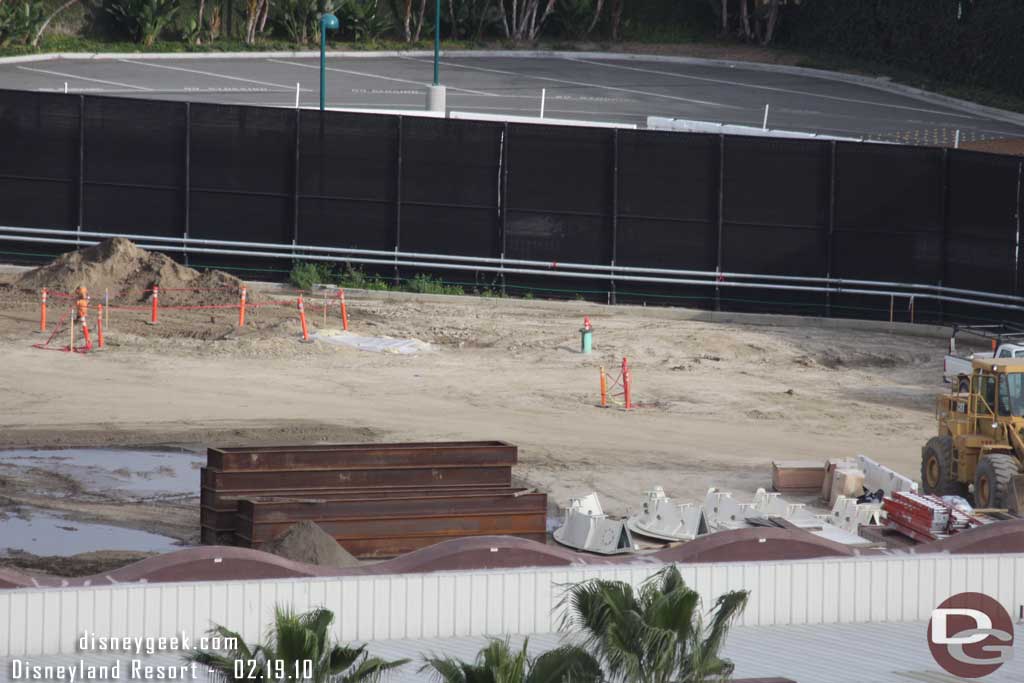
[
  {"x": 40, "y": 532},
  {"x": 60, "y": 503},
  {"x": 125, "y": 474}
]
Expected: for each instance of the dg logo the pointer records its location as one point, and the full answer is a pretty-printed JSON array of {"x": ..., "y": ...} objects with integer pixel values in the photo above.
[{"x": 971, "y": 635}]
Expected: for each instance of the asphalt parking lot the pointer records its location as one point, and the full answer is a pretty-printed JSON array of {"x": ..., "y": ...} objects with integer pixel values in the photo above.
[{"x": 577, "y": 87}]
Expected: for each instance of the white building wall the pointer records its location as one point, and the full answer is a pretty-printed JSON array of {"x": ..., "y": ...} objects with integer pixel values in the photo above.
[{"x": 43, "y": 621}]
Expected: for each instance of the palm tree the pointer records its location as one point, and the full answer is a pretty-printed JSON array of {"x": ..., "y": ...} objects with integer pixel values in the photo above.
[
  {"x": 496, "y": 663},
  {"x": 656, "y": 634},
  {"x": 298, "y": 648}
]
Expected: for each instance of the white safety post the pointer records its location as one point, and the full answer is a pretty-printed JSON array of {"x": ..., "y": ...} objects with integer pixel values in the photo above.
[
  {"x": 956, "y": 143},
  {"x": 65, "y": 87},
  {"x": 543, "y": 96},
  {"x": 764, "y": 124},
  {"x": 297, "y": 90}
]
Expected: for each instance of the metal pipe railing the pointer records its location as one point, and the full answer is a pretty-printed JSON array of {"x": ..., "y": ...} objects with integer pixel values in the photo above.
[
  {"x": 614, "y": 272},
  {"x": 548, "y": 272}
]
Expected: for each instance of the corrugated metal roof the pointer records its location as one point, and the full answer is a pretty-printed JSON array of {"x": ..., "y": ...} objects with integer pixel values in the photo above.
[{"x": 846, "y": 653}]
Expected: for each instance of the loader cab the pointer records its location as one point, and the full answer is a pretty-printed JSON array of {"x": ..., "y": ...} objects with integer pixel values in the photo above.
[{"x": 996, "y": 396}]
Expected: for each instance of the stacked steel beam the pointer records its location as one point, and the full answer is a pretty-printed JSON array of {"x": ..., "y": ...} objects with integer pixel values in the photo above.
[{"x": 377, "y": 500}]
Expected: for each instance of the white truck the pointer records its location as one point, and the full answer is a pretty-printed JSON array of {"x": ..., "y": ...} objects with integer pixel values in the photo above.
[{"x": 956, "y": 368}]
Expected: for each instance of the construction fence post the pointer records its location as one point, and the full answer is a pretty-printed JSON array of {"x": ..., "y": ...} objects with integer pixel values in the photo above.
[
  {"x": 604, "y": 389},
  {"x": 42, "y": 313},
  {"x": 99, "y": 327},
  {"x": 302, "y": 319},
  {"x": 156, "y": 305},
  {"x": 241, "y": 309},
  {"x": 344, "y": 310},
  {"x": 626, "y": 382}
]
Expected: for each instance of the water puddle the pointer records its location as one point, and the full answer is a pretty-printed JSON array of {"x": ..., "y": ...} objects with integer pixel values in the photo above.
[
  {"x": 127, "y": 474},
  {"x": 43, "y": 533}
]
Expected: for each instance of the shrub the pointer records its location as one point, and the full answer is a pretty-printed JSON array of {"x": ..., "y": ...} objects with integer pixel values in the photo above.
[
  {"x": 142, "y": 20},
  {"x": 424, "y": 284},
  {"x": 305, "y": 275},
  {"x": 363, "y": 20},
  {"x": 299, "y": 20}
]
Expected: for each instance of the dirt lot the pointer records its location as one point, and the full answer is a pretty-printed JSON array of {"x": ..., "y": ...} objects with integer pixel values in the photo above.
[{"x": 719, "y": 400}]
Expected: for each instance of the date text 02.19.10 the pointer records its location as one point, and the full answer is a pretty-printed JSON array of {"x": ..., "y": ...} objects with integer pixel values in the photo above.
[{"x": 251, "y": 669}]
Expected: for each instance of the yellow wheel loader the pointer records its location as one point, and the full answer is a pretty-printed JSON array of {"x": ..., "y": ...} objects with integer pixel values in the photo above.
[{"x": 980, "y": 446}]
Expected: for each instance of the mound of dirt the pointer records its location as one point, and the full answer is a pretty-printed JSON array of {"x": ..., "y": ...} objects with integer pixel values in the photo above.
[
  {"x": 129, "y": 272},
  {"x": 307, "y": 542}
]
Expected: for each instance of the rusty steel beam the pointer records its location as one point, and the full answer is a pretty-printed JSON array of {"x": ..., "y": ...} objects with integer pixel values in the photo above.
[
  {"x": 369, "y": 528},
  {"x": 228, "y": 500},
  {"x": 290, "y": 511},
  {"x": 218, "y": 511},
  {"x": 498, "y": 475},
  {"x": 362, "y": 456}
]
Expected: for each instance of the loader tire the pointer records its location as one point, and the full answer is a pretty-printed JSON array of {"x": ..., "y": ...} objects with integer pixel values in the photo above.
[
  {"x": 937, "y": 468},
  {"x": 993, "y": 480}
]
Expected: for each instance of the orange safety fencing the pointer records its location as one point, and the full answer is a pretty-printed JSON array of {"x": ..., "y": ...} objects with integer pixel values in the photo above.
[
  {"x": 154, "y": 307},
  {"x": 624, "y": 381}
]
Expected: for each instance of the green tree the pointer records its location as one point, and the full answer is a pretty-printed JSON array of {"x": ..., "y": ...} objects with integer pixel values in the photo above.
[
  {"x": 20, "y": 21},
  {"x": 293, "y": 640},
  {"x": 656, "y": 634},
  {"x": 142, "y": 20},
  {"x": 497, "y": 663}
]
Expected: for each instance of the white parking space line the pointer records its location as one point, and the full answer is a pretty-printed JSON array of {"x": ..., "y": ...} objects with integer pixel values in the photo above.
[
  {"x": 383, "y": 78},
  {"x": 208, "y": 73},
  {"x": 85, "y": 78},
  {"x": 754, "y": 86},
  {"x": 581, "y": 84}
]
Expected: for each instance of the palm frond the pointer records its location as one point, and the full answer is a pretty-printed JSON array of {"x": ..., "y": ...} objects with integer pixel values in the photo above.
[
  {"x": 340, "y": 657},
  {"x": 565, "y": 664},
  {"x": 728, "y": 608},
  {"x": 444, "y": 669},
  {"x": 370, "y": 670}
]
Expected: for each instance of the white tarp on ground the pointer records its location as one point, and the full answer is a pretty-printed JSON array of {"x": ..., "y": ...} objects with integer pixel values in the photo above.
[{"x": 378, "y": 344}]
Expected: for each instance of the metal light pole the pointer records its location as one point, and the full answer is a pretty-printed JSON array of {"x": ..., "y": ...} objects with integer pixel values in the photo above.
[
  {"x": 436, "y": 92},
  {"x": 437, "y": 42},
  {"x": 327, "y": 21}
]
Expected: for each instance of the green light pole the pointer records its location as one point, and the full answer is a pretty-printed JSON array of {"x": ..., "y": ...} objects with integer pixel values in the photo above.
[
  {"x": 437, "y": 42},
  {"x": 327, "y": 21},
  {"x": 436, "y": 92}
]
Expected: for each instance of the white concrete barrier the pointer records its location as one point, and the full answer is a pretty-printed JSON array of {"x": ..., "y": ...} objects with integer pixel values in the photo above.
[
  {"x": 688, "y": 126},
  {"x": 474, "y": 116}
]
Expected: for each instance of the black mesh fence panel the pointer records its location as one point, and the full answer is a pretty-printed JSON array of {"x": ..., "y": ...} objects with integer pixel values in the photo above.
[
  {"x": 559, "y": 197},
  {"x": 667, "y": 211},
  {"x": 889, "y": 223},
  {"x": 134, "y": 166},
  {"x": 450, "y": 187},
  {"x": 981, "y": 235},
  {"x": 242, "y": 179},
  {"x": 39, "y": 136},
  {"x": 775, "y": 218},
  {"x": 348, "y": 180}
]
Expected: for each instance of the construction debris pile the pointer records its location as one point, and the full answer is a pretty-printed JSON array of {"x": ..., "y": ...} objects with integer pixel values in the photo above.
[
  {"x": 866, "y": 500},
  {"x": 376, "y": 501}
]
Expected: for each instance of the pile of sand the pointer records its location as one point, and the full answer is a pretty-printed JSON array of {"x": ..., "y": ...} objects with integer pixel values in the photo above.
[
  {"x": 128, "y": 271},
  {"x": 307, "y": 542}
]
